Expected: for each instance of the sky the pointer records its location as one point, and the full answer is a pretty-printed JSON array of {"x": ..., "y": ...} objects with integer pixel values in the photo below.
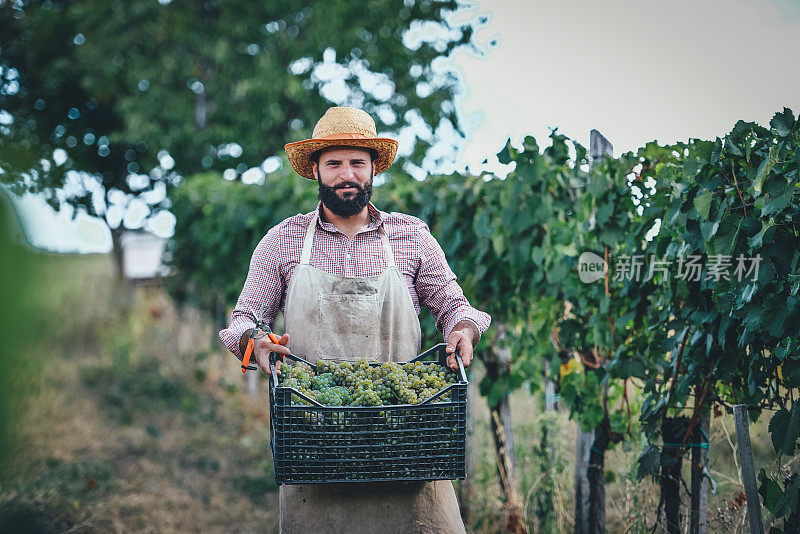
[{"x": 636, "y": 70}]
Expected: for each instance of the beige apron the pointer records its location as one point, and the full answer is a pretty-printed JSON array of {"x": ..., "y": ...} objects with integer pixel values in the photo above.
[{"x": 370, "y": 317}]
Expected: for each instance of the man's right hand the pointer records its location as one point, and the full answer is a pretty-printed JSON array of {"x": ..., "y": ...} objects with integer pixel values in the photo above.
[{"x": 263, "y": 346}]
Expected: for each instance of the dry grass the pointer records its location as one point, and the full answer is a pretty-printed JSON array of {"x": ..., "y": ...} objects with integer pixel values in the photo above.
[{"x": 124, "y": 433}]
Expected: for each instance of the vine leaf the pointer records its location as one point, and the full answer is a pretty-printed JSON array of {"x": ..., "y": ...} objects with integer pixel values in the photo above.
[
  {"x": 783, "y": 122},
  {"x": 765, "y": 168},
  {"x": 787, "y": 501},
  {"x": 702, "y": 203},
  {"x": 769, "y": 490},
  {"x": 779, "y": 202},
  {"x": 648, "y": 462},
  {"x": 785, "y": 429}
]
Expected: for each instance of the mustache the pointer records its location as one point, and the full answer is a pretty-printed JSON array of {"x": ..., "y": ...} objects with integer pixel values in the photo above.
[{"x": 345, "y": 185}]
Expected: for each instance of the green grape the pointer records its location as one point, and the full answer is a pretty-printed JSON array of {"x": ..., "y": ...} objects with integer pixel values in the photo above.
[{"x": 322, "y": 380}]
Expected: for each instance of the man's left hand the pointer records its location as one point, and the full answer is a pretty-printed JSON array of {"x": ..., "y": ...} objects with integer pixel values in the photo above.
[{"x": 463, "y": 338}]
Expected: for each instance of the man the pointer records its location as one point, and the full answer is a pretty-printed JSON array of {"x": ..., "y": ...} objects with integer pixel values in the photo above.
[{"x": 350, "y": 280}]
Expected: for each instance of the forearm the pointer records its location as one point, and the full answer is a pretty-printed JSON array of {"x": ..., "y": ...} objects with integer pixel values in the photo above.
[
  {"x": 438, "y": 289},
  {"x": 260, "y": 297}
]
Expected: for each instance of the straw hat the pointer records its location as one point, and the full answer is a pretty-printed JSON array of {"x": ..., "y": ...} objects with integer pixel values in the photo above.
[{"x": 342, "y": 126}]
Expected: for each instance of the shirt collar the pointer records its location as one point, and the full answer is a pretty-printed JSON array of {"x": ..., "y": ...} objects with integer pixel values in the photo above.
[{"x": 376, "y": 217}]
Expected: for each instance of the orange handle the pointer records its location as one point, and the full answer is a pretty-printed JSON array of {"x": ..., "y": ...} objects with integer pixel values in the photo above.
[{"x": 247, "y": 353}]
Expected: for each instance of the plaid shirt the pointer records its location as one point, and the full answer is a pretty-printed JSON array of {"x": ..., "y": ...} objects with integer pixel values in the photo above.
[{"x": 417, "y": 254}]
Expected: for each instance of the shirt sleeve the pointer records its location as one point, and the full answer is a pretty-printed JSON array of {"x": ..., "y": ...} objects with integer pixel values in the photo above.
[
  {"x": 438, "y": 289},
  {"x": 261, "y": 294}
]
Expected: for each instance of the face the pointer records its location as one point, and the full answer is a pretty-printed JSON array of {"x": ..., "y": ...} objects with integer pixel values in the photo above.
[{"x": 345, "y": 180}]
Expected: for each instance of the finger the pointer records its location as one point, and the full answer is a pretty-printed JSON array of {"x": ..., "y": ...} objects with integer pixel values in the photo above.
[
  {"x": 277, "y": 368},
  {"x": 262, "y": 359},
  {"x": 268, "y": 346},
  {"x": 279, "y": 349},
  {"x": 453, "y": 341},
  {"x": 451, "y": 362},
  {"x": 284, "y": 339},
  {"x": 466, "y": 351}
]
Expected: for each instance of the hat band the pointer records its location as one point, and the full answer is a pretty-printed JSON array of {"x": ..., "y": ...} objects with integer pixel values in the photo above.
[{"x": 346, "y": 136}]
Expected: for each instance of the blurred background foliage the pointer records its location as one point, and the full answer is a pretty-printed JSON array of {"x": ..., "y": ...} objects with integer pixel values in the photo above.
[
  {"x": 140, "y": 95},
  {"x": 16, "y": 266}
]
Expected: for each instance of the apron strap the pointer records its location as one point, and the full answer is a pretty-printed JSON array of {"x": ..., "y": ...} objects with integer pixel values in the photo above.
[
  {"x": 387, "y": 249},
  {"x": 305, "y": 256}
]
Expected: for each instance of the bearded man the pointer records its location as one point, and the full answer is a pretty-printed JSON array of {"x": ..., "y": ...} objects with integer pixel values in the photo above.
[{"x": 350, "y": 280}]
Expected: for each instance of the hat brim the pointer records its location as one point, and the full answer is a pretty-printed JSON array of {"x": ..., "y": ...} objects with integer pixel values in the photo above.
[{"x": 299, "y": 152}]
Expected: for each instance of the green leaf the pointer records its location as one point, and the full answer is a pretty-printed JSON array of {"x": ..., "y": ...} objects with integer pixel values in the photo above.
[
  {"x": 765, "y": 168},
  {"x": 779, "y": 203},
  {"x": 702, "y": 203},
  {"x": 603, "y": 213},
  {"x": 774, "y": 314},
  {"x": 648, "y": 462},
  {"x": 567, "y": 250},
  {"x": 769, "y": 490},
  {"x": 709, "y": 229},
  {"x": 619, "y": 424},
  {"x": 783, "y": 122},
  {"x": 785, "y": 429},
  {"x": 726, "y": 236},
  {"x": 731, "y": 147},
  {"x": 505, "y": 154},
  {"x": 787, "y": 503},
  {"x": 499, "y": 243}
]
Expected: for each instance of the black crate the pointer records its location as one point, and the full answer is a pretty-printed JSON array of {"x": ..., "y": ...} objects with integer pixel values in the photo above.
[{"x": 321, "y": 444}]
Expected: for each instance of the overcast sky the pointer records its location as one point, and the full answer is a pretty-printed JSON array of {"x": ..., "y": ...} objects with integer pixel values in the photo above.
[{"x": 637, "y": 70}]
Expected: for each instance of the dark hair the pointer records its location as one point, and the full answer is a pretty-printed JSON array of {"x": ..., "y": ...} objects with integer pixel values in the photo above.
[{"x": 317, "y": 153}]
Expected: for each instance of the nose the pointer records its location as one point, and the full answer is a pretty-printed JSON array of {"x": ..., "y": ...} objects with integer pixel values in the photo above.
[{"x": 347, "y": 173}]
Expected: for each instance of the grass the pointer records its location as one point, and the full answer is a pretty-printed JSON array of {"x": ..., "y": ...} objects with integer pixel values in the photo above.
[{"x": 137, "y": 421}]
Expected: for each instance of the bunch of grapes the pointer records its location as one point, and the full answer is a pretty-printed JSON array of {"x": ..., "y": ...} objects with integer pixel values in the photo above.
[{"x": 357, "y": 383}]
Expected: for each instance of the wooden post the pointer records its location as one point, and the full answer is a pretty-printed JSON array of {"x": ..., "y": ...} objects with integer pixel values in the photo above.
[
  {"x": 672, "y": 431},
  {"x": 550, "y": 399},
  {"x": 596, "y": 474},
  {"x": 699, "y": 508},
  {"x": 748, "y": 468},
  {"x": 583, "y": 449},
  {"x": 599, "y": 147}
]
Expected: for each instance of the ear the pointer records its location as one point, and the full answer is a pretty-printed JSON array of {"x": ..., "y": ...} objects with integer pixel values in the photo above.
[{"x": 315, "y": 170}]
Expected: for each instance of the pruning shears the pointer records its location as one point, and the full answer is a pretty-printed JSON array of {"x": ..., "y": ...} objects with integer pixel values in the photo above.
[{"x": 261, "y": 330}]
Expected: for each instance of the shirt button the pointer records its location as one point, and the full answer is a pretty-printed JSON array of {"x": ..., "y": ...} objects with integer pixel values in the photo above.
[{"x": 347, "y": 256}]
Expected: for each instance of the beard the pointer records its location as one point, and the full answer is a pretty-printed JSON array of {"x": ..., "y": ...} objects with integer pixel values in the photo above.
[{"x": 345, "y": 207}]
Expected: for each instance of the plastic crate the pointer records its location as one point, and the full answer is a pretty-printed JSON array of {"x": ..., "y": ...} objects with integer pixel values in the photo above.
[{"x": 323, "y": 444}]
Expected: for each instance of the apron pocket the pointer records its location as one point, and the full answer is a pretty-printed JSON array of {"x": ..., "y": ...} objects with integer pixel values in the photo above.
[{"x": 350, "y": 326}]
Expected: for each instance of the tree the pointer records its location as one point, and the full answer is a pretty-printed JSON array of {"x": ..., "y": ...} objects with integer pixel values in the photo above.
[{"x": 140, "y": 94}]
